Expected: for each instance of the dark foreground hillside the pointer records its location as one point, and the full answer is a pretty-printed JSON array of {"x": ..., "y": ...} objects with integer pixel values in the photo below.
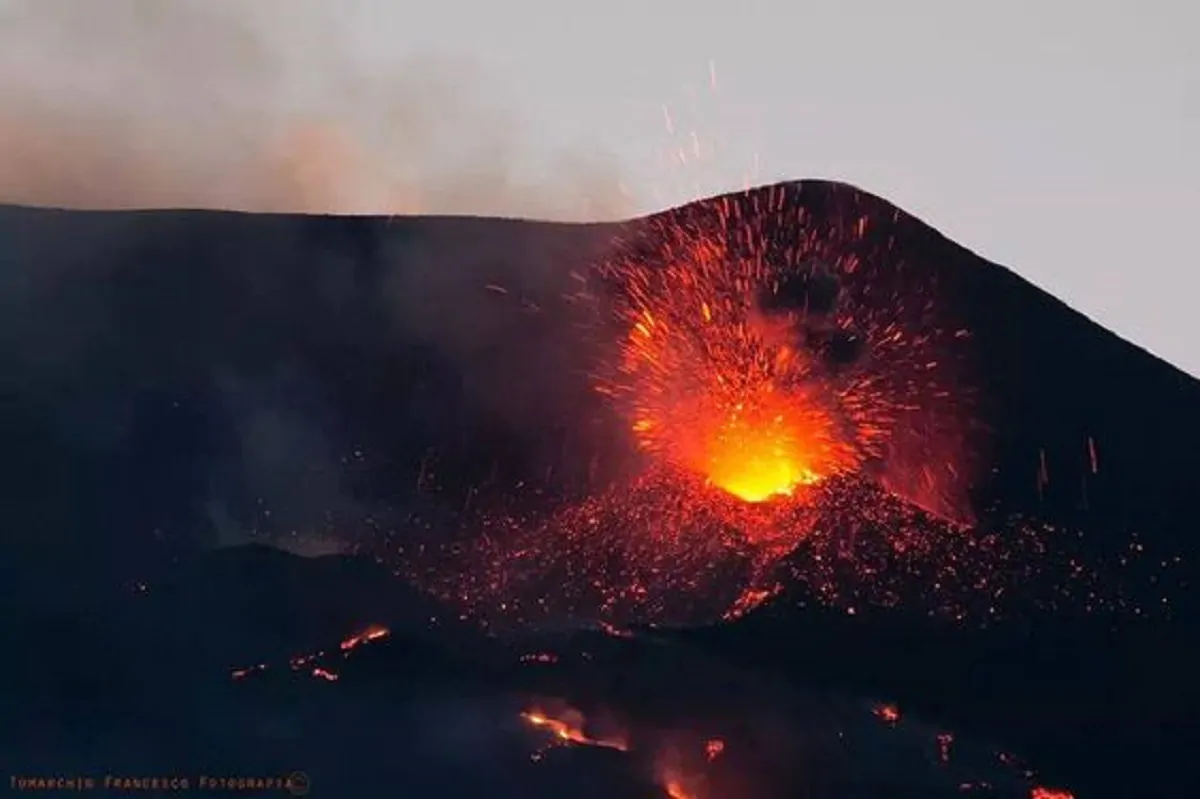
[
  {"x": 175, "y": 380},
  {"x": 177, "y": 685}
]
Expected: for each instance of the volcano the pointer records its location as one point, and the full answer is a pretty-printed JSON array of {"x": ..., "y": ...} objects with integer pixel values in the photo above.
[{"x": 790, "y": 441}]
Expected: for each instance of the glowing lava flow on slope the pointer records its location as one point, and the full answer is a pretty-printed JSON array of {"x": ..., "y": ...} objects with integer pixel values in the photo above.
[
  {"x": 568, "y": 728},
  {"x": 317, "y": 664}
]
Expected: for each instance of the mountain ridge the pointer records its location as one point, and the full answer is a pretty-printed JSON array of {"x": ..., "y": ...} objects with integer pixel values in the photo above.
[{"x": 817, "y": 183}]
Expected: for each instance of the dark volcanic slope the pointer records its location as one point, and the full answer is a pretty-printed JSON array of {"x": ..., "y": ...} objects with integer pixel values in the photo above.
[
  {"x": 149, "y": 687},
  {"x": 169, "y": 380}
]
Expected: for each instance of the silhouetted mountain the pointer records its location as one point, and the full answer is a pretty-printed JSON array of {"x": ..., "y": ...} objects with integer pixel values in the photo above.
[{"x": 175, "y": 380}]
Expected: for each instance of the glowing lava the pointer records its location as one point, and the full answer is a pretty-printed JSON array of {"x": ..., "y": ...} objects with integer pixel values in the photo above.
[
  {"x": 372, "y": 633},
  {"x": 1050, "y": 793},
  {"x": 710, "y": 389},
  {"x": 888, "y": 714},
  {"x": 311, "y": 662},
  {"x": 567, "y": 727},
  {"x": 757, "y": 447}
]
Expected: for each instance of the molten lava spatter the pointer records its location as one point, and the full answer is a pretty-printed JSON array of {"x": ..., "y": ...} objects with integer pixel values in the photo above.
[{"x": 709, "y": 389}]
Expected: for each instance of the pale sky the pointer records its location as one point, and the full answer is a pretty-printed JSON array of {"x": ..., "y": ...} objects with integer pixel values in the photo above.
[{"x": 1055, "y": 137}]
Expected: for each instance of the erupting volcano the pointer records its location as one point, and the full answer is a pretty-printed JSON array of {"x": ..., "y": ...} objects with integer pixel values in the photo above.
[
  {"x": 800, "y": 408},
  {"x": 885, "y": 468}
]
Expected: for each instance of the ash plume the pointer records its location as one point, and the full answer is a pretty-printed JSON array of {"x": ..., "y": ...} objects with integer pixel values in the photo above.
[{"x": 258, "y": 107}]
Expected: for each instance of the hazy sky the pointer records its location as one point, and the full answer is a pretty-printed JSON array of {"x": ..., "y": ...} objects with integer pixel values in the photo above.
[{"x": 1056, "y": 137}]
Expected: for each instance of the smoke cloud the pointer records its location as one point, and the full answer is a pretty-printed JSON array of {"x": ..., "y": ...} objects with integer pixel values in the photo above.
[
  {"x": 259, "y": 106},
  {"x": 214, "y": 378}
]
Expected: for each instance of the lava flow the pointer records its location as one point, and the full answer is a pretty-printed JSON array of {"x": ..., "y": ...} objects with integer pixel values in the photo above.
[
  {"x": 567, "y": 727},
  {"x": 316, "y": 664}
]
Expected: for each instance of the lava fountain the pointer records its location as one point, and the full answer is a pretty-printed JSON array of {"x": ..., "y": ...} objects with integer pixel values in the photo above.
[
  {"x": 709, "y": 385},
  {"x": 796, "y": 396}
]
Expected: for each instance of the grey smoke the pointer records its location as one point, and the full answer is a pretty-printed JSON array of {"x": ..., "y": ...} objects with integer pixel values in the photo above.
[{"x": 260, "y": 106}]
